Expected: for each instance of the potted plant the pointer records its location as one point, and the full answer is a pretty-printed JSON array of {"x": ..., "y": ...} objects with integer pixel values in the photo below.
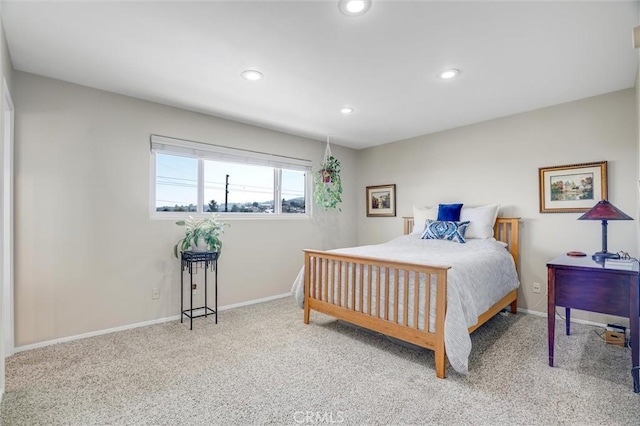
[
  {"x": 330, "y": 169},
  {"x": 328, "y": 186},
  {"x": 200, "y": 235}
]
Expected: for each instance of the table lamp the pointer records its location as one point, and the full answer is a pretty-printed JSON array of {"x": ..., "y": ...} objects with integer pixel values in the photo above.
[{"x": 604, "y": 211}]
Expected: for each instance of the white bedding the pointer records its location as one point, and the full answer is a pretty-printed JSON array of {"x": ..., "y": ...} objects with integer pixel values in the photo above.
[{"x": 482, "y": 272}]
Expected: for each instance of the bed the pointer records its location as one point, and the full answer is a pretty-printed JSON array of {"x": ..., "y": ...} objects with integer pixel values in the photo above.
[{"x": 416, "y": 300}]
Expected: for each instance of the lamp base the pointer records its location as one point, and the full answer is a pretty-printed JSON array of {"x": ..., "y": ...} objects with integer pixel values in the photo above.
[{"x": 602, "y": 255}]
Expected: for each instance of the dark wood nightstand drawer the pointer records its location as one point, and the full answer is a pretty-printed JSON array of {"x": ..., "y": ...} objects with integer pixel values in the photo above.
[{"x": 593, "y": 291}]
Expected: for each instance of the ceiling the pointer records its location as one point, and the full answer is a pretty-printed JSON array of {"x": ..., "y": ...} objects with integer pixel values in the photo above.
[{"x": 514, "y": 56}]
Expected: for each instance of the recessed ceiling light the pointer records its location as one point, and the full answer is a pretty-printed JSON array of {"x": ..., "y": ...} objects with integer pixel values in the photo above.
[
  {"x": 354, "y": 7},
  {"x": 252, "y": 75},
  {"x": 346, "y": 110},
  {"x": 449, "y": 74}
]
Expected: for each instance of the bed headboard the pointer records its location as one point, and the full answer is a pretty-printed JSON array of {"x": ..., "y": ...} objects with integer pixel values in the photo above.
[{"x": 505, "y": 229}]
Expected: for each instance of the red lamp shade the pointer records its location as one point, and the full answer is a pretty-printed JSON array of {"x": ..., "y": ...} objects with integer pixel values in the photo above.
[{"x": 604, "y": 211}]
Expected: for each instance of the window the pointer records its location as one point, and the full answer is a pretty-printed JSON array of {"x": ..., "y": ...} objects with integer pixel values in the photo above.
[
  {"x": 200, "y": 178},
  {"x": 176, "y": 183}
]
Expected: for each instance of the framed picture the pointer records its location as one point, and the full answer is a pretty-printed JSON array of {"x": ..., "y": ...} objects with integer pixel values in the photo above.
[
  {"x": 381, "y": 200},
  {"x": 572, "y": 189}
]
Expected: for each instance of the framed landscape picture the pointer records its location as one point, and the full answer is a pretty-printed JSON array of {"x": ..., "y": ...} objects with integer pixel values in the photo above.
[
  {"x": 573, "y": 188},
  {"x": 381, "y": 200}
]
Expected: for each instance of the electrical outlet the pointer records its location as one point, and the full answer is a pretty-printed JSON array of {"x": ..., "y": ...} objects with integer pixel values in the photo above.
[
  {"x": 155, "y": 293},
  {"x": 536, "y": 287}
]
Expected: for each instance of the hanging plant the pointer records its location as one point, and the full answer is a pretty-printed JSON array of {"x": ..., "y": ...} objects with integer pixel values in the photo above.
[{"x": 327, "y": 185}]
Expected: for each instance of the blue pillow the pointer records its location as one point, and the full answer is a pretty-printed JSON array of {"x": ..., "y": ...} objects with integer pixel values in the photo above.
[
  {"x": 445, "y": 230},
  {"x": 449, "y": 212}
]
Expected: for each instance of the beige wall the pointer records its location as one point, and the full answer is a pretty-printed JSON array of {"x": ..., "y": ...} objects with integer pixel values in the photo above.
[
  {"x": 87, "y": 253},
  {"x": 6, "y": 71},
  {"x": 637, "y": 105},
  {"x": 497, "y": 162}
]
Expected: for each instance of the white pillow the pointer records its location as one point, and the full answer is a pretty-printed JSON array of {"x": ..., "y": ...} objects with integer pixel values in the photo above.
[
  {"x": 420, "y": 216},
  {"x": 481, "y": 220}
]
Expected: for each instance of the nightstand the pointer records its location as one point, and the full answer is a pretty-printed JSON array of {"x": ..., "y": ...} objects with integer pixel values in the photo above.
[{"x": 581, "y": 283}]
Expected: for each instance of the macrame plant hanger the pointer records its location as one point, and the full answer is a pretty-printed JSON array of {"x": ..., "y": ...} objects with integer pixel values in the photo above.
[
  {"x": 326, "y": 167},
  {"x": 328, "y": 187}
]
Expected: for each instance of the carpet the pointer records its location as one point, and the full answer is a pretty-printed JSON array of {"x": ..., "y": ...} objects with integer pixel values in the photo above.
[{"x": 261, "y": 365}]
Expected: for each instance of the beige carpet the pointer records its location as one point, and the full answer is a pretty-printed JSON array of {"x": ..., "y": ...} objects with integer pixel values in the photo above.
[{"x": 261, "y": 365}]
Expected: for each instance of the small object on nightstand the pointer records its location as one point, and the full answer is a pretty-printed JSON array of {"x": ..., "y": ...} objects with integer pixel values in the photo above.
[
  {"x": 626, "y": 264},
  {"x": 576, "y": 253}
]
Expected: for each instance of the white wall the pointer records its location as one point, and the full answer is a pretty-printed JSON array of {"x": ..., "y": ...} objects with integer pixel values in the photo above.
[
  {"x": 6, "y": 71},
  {"x": 87, "y": 253},
  {"x": 497, "y": 162}
]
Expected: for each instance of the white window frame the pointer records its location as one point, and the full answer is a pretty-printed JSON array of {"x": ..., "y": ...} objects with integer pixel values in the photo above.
[{"x": 202, "y": 151}]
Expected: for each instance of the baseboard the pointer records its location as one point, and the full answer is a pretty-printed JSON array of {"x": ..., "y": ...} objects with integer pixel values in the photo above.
[
  {"x": 576, "y": 320},
  {"x": 529, "y": 312},
  {"x": 137, "y": 325},
  {"x": 93, "y": 334},
  {"x": 255, "y": 301}
]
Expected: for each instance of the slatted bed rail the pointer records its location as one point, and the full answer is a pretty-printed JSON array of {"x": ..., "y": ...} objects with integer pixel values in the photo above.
[{"x": 390, "y": 297}]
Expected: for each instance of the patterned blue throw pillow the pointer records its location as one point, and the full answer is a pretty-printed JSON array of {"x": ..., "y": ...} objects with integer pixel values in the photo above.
[{"x": 445, "y": 230}]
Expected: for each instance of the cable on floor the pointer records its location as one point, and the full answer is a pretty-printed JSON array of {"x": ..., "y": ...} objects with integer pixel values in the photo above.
[{"x": 600, "y": 335}]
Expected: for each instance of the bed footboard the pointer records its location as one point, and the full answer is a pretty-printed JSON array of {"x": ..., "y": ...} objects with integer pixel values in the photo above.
[
  {"x": 390, "y": 297},
  {"x": 379, "y": 295}
]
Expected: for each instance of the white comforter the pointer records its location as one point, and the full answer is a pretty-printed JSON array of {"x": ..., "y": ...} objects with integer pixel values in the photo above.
[{"x": 482, "y": 272}]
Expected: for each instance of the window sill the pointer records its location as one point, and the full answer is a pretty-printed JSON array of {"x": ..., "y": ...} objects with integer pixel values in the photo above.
[{"x": 231, "y": 216}]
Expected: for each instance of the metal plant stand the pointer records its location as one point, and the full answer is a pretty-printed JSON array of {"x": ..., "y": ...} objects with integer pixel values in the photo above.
[{"x": 205, "y": 260}]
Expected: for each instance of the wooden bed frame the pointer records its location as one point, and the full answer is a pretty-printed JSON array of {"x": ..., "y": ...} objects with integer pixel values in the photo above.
[{"x": 331, "y": 284}]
